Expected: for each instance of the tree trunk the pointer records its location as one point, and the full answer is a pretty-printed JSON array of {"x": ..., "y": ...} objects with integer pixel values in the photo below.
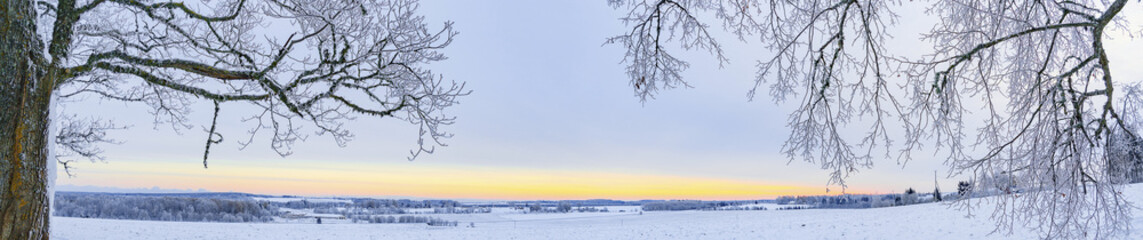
[{"x": 25, "y": 94}]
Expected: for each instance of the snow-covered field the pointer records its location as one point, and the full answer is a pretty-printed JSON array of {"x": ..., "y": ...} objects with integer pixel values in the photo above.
[{"x": 923, "y": 221}]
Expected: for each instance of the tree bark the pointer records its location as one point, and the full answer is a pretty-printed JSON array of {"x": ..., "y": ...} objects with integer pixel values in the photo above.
[{"x": 25, "y": 95}]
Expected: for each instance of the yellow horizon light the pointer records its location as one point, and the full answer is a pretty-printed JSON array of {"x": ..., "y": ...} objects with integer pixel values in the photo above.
[{"x": 433, "y": 181}]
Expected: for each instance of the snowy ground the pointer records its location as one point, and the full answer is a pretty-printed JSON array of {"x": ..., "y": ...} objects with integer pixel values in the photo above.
[{"x": 924, "y": 221}]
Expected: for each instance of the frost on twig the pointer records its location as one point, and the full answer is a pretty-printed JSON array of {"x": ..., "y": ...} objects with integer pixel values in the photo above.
[
  {"x": 80, "y": 138},
  {"x": 1017, "y": 90},
  {"x": 305, "y": 67}
]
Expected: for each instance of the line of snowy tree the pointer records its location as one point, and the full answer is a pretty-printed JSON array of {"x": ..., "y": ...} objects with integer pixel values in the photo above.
[
  {"x": 679, "y": 205},
  {"x": 796, "y": 207},
  {"x": 910, "y": 196},
  {"x": 563, "y": 207},
  {"x": 742, "y": 208},
  {"x": 304, "y": 204},
  {"x": 576, "y": 203},
  {"x": 432, "y": 221},
  {"x": 461, "y": 210},
  {"x": 560, "y": 207},
  {"x": 834, "y": 201},
  {"x": 370, "y": 206},
  {"x": 996, "y": 183},
  {"x": 590, "y": 209},
  {"x": 165, "y": 208},
  {"x": 347, "y": 210},
  {"x": 377, "y": 206},
  {"x": 404, "y": 203},
  {"x": 359, "y": 210}
]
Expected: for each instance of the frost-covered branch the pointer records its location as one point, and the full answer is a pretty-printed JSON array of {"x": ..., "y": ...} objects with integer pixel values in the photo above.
[
  {"x": 650, "y": 65},
  {"x": 80, "y": 138},
  {"x": 305, "y": 64},
  {"x": 1049, "y": 116}
]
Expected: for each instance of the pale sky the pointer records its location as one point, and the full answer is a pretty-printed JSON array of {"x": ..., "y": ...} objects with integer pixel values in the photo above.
[{"x": 551, "y": 117}]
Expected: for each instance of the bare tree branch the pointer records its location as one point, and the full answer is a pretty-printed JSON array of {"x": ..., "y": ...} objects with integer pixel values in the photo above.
[
  {"x": 1037, "y": 70},
  {"x": 338, "y": 60}
]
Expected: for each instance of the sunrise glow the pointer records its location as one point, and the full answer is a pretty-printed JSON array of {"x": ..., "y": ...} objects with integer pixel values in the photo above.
[{"x": 428, "y": 181}]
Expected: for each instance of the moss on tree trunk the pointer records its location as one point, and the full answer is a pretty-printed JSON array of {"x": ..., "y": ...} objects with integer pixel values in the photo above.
[{"x": 25, "y": 94}]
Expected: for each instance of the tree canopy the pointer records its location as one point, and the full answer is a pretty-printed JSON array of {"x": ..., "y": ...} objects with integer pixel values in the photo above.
[
  {"x": 1029, "y": 82},
  {"x": 305, "y": 66}
]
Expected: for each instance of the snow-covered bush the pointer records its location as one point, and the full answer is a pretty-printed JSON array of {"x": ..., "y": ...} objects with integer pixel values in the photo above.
[
  {"x": 910, "y": 197},
  {"x": 963, "y": 188}
]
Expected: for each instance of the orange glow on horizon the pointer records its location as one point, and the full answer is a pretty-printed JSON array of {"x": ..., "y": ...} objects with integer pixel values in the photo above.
[{"x": 428, "y": 181}]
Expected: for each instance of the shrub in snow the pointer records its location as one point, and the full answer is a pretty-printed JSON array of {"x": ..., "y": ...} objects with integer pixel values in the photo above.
[
  {"x": 963, "y": 188},
  {"x": 910, "y": 197},
  {"x": 564, "y": 207}
]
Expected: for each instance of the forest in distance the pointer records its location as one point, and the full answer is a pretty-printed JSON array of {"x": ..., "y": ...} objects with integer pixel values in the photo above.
[{"x": 244, "y": 207}]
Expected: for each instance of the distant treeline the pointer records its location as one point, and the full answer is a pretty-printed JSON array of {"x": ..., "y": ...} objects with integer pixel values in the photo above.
[
  {"x": 575, "y": 203},
  {"x": 433, "y": 221},
  {"x": 155, "y": 208},
  {"x": 367, "y": 203},
  {"x": 680, "y": 205},
  {"x": 241, "y": 207},
  {"x": 562, "y": 207},
  {"x": 864, "y": 201}
]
